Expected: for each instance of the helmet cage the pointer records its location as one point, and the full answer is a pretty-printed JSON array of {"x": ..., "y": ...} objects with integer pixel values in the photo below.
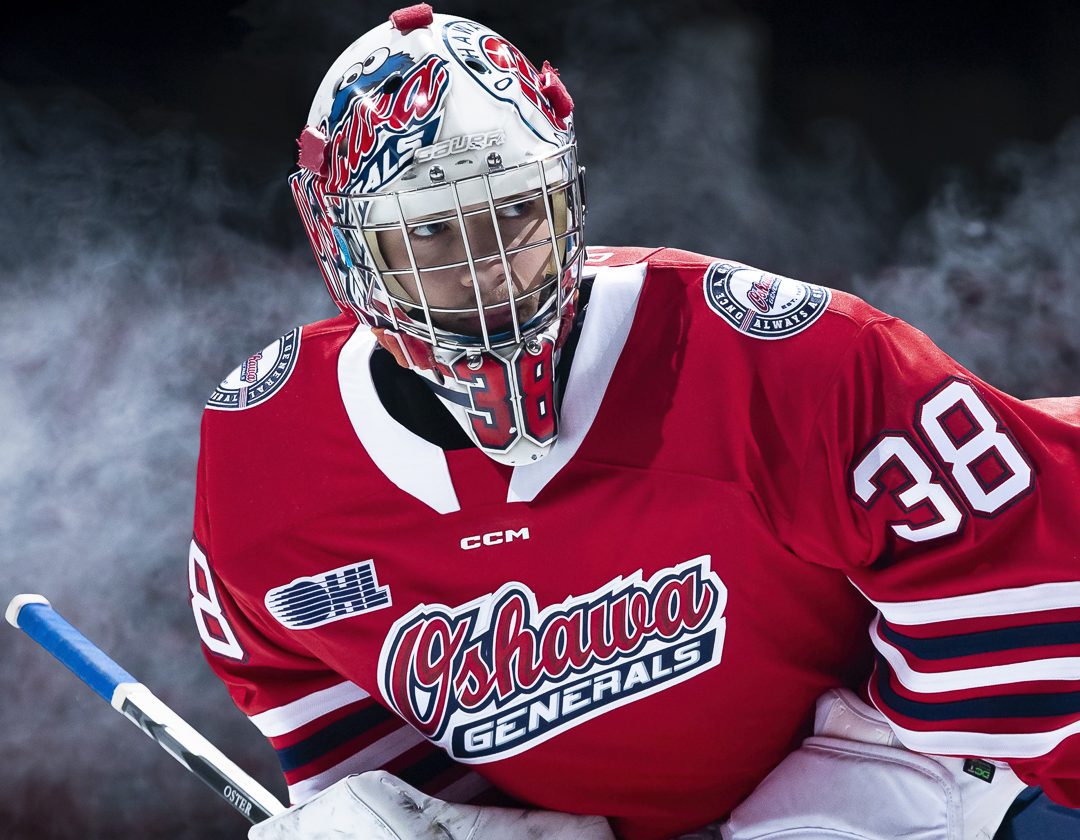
[{"x": 374, "y": 291}]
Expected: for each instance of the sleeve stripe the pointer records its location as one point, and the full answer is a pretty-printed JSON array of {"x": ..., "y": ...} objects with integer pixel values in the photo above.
[
  {"x": 284, "y": 719},
  {"x": 1001, "y": 706},
  {"x": 985, "y": 641},
  {"x": 1000, "y": 745},
  {"x": 325, "y": 740},
  {"x": 371, "y": 758},
  {"x": 1027, "y": 599},
  {"x": 1062, "y": 668}
]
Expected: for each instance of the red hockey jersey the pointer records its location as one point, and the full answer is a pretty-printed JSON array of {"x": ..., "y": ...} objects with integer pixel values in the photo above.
[{"x": 750, "y": 472}]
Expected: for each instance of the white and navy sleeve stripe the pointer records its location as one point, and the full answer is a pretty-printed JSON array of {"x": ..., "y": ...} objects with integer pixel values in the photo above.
[
  {"x": 992, "y": 674},
  {"x": 332, "y": 733},
  {"x": 292, "y": 716}
]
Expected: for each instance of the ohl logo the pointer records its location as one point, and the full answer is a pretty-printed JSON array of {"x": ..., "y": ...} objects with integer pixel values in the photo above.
[
  {"x": 380, "y": 131},
  {"x": 497, "y": 676},
  {"x": 309, "y": 602}
]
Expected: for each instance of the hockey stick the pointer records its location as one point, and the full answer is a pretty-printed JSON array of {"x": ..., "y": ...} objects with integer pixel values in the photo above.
[{"x": 34, "y": 615}]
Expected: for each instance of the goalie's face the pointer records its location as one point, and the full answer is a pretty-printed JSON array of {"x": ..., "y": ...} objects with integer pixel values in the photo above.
[{"x": 495, "y": 265}]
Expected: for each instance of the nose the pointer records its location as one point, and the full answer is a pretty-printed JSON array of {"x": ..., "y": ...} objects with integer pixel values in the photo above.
[
  {"x": 484, "y": 246},
  {"x": 490, "y": 279}
]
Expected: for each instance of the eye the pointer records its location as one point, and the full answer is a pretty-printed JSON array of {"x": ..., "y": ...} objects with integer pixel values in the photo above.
[
  {"x": 426, "y": 231},
  {"x": 516, "y": 210},
  {"x": 364, "y": 68},
  {"x": 374, "y": 61},
  {"x": 350, "y": 77}
]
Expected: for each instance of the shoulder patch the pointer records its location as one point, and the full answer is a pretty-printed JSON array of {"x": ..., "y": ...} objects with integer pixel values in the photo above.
[
  {"x": 329, "y": 596},
  {"x": 763, "y": 305},
  {"x": 260, "y": 377}
]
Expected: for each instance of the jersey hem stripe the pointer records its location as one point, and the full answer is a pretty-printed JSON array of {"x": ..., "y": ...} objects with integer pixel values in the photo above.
[
  {"x": 373, "y": 757},
  {"x": 284, "y": 719}
]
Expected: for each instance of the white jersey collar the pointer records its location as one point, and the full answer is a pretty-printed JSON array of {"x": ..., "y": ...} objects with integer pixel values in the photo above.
[{"x": 419, "y": 468}]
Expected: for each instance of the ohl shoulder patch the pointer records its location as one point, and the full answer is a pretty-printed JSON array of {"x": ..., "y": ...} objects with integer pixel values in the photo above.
[
  {"x": 763, "y": 305},
  {"x": 260, "y": 377},
  {"x": 329, "y": 596}
]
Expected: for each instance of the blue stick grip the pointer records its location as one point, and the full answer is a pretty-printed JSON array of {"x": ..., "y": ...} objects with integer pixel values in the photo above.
[{"x": 78, "y": 654}]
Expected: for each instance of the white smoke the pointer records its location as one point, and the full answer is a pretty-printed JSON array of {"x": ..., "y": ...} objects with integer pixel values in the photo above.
[
  {"x": 136, "y": 277},
  {"x": 125, "y": 300},
  {"x": 998, "y": 287}
]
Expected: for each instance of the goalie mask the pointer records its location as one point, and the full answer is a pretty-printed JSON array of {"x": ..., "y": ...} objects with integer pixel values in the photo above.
[{"x": 440, "y": 189}]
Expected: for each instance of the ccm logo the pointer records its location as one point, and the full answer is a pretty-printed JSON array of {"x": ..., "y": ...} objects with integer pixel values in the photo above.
[{"x": 494, "y": 538}]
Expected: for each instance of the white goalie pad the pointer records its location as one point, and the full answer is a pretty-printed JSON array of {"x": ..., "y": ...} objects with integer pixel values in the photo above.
[{"x": 852, "y": 780}]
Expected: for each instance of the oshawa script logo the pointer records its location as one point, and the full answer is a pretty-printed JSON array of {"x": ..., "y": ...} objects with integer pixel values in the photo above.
[
  {"x": 379, "y": 118},
  {"x": 497, "y": 676},
  {"x": 380, "y": 130}
]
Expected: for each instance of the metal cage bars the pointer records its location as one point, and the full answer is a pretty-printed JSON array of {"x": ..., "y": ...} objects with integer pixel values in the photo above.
[{"x": 564, "y": 258}]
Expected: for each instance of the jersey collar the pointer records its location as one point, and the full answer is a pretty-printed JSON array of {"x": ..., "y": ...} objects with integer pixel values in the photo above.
[{"x": 419, "y": 468}]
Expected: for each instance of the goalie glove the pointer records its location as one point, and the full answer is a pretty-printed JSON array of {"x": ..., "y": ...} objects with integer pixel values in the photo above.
[{"x": 379, "y": 806}]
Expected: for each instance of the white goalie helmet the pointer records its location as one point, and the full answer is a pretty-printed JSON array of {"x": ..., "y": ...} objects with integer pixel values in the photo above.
[{"x": 441, "y": 192}]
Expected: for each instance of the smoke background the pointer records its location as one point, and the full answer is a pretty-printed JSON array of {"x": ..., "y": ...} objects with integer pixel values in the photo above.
[{"x": 929, "y": 160}]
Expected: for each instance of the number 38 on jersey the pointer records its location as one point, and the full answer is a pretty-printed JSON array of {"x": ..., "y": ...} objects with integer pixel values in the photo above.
[{"x": 962, "y": 462}]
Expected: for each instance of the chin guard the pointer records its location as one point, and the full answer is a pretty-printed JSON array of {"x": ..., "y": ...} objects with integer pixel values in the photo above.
[{"x": 504, "y": 399}]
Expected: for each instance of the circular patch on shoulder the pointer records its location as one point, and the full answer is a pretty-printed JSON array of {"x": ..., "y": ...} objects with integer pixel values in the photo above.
[
  {"x": 763, "y": 305},
  {"x": 260, "y": 377}
]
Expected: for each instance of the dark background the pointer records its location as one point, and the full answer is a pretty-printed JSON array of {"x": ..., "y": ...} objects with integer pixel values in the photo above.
[{"x": 926, "y": 156}]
